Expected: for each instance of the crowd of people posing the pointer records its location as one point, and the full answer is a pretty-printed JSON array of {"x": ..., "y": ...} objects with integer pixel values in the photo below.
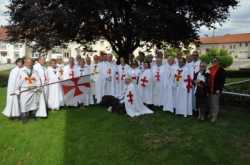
[{"x": 181, "y": 85}]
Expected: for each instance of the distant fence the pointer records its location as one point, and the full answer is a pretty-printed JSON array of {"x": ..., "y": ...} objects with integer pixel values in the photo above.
[{"x": 236, "y": 98}]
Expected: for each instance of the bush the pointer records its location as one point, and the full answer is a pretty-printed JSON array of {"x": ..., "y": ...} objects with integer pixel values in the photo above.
[{"x": 223, "y": 56}]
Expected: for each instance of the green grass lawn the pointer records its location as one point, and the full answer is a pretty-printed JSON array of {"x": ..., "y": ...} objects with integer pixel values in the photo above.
[{"x": 93, "y": 136}]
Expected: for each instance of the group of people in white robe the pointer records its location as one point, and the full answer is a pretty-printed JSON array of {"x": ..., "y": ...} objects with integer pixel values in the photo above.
[{"x": 165, "y": 83}]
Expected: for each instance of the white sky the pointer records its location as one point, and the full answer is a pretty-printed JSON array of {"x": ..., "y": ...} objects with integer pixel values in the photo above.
[{"x": 238, "y": 22}]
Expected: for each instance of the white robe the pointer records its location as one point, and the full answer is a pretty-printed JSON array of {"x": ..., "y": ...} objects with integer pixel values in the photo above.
[
  {"x": 145, "y": 86},
  {"x": 134, "y": 73},
  {"x": 12, "y": 107},
  {"x": 86, "y": 98},
  {"x": 55, "y": 95},
  {"x": 42, "y": 73},
  {"x": 183, "y": 94},
  {"x": 168, "y": 99},
  {"x": 32, "y": 100},
  {"x": 99, "y": 84},
  {"x": 158, "y": 84},
  {"x": 109, "y": 83},
  {"x": 123, "y": 72},
  {"x": 69, "y": 72},
  {"x": 133, "y": 103},
  {"x": 94, "y": 76}
]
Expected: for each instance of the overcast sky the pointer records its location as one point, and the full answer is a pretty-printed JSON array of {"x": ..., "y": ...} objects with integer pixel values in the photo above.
[{"x": 238, "y": 22}]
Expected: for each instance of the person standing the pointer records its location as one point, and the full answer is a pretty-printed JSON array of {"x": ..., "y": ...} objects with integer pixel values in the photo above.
[
  {"x": 29, "y": 91},
  {"x": 216, "y": 85},
  {"x": 12, "y": 109},
  {"x": 201, "y": 90},
  {"x": 158, "y": 72},
  {"x": 145, "y": 84},
  {"x": 55, "y": 95},
  {"x": 184, "y": 85},
  {"x": 40, "y": 68},
  {"x": 70, "y": 70}
]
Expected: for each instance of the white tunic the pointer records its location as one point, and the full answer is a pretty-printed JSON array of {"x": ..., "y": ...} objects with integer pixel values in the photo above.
[
  {"x": 99, "y": 87},
  {"x": 32, "y": 100},
  {"x": 86, "y": 98},
  {"x": 55, "y": 95},
  {"x": 70, "y": 72},
  {"x": 12, "y": 108},
  {"x": 133, "y": 103},
  {"x": 145, "y": 86},
  {"x": 42, "y": 73},
  {"x": 158, "y": 84},
  {"x": 110, "y": 79},
  {"x": 168, "y": 99},
  {"x": 184, "y": 91},
  {"x": 123, "y": 72},
  {"x": 135, "y": 74}
]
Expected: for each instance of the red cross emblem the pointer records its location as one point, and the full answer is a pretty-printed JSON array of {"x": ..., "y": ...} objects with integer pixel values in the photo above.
[
  {"x": 77, "y": 91},
  {"x": 30, "y": 80},
  {"x": 144, "y": 81},
  {"x": 189, "y": 83},
  {"x": 130, "y": 97},
  {"x": 178, "y": 75},
  {"x": 157, "y": 76}
]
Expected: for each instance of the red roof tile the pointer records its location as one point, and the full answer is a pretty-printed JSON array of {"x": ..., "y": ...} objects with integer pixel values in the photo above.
[{"x": 229, "y": 38}]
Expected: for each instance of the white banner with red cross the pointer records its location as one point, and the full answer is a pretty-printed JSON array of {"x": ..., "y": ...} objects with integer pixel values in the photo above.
[{"x": 75, "y": 89}]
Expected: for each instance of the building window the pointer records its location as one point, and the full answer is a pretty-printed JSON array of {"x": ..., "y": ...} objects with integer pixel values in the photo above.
[
  {"x": 246, "y": 44},
  {"x": 231, "y": 47},
  {"x": 234, "y": 46},
  {"x": 17, "y": 46},
  {"x": 3, "y": 54},
  {"x": 66, "y": 55},
  {"x": 3, "y": 46}
]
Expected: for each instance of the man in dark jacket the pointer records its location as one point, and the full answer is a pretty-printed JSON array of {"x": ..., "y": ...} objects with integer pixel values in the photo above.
[{"x": 216, "y": 85}]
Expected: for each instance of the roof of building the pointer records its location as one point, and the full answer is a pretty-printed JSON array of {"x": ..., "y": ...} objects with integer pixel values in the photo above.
[
  {"x": 228, "y": 38},
  {"x": 3, "y": 34}
]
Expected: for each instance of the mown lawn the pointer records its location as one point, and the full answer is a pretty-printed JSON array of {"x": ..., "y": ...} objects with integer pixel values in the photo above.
[{"x": 92, "y": 136}]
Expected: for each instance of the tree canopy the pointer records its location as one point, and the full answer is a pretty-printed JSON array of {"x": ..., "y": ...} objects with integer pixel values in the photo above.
[{"x": 124, "y": 23}]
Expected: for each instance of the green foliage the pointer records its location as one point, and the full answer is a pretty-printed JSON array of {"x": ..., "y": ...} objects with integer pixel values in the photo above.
[
  {"x": 223, "y": 56},
  {"x": 171, "y": 51}
]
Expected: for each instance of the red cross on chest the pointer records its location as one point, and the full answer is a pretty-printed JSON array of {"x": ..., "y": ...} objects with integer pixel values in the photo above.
[
  {"x": 30, "y": 80},
  {"x": 178, "y": 75},
  {"x": 130, "y": 97},
  {"x": 76, "y": 87},
  {"x": 144, "y": 81},
  {"x": 157, "y": 76},
  {"x": 189, "y": 85}
]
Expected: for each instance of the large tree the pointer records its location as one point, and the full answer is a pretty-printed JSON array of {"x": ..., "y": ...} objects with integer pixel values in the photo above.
[{"x": 124, "y": 23}]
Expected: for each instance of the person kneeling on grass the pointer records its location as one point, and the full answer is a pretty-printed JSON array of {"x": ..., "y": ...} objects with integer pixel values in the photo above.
[{"x": 130, "y": 102}]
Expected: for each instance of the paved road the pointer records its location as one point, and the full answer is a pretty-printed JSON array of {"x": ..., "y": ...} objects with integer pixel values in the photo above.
[{"x": 6, "y": 66}]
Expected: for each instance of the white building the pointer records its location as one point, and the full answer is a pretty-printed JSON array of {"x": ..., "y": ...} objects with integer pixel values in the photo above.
[
  {"x": 237, "y": 44},
  {"x": 9, "y": 52}
]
